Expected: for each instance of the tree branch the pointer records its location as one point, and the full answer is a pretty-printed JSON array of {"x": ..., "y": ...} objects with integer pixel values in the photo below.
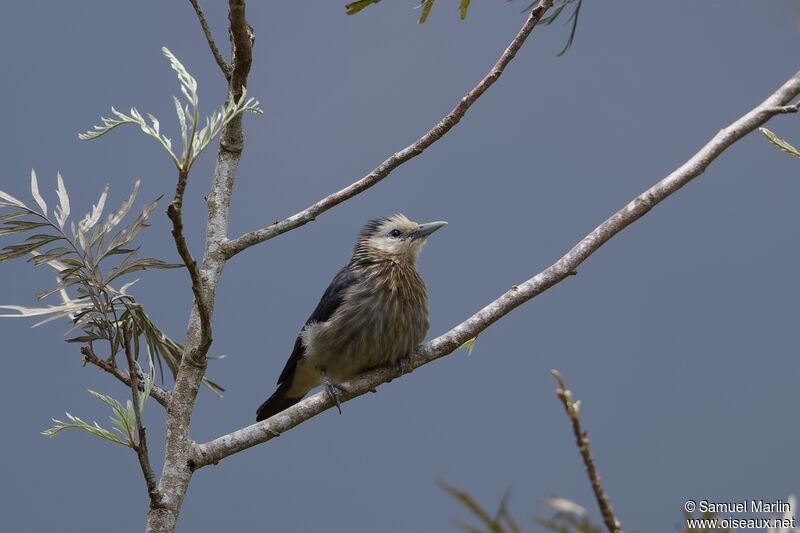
[
  {"x": 582, "y": 441},
  {"x": 141, "y": 445},
  {"x": 223, "y": 65},
  {"x": 218, "y": 449},
  {"x": 174, "y": 212},
  {"x": 158, "y": 394},
  {"x": 178, "y": 467},
  {"x": 239, "y": 244},
  {"x": 242, "y": 40}
]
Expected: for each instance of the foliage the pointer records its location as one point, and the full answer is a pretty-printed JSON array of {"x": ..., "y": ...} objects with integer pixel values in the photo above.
[
  {"x": 195, "y": 138},
  {"x": 573, "y": 18},
  {"x": 469, "y": 345},
  {"x": 463, "y": 7},
  {"x": 123, "y": 419},
  {"x": 500, "y": 522},
  {"x": 780, "y": 143},
  {"x": 425, "y": 5},
  {"x": 569, "y": 517},
  {"x": 85, "y": 257}
]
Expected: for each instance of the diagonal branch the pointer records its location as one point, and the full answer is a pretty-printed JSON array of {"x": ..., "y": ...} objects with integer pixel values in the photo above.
[
  {"x": 158, "y": 394},
  {"x": 582, "y": 441},
  {"x": 241, "y": 243},
  {"x": 216, "y": 450},
  {"x": 223, "y": 65}
]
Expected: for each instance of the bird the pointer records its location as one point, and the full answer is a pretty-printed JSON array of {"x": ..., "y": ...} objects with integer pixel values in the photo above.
[{"x": 373, "y": 313}]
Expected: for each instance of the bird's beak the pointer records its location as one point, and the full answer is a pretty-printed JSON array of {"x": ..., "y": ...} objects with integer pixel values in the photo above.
[{"x": 424, "y": 230}]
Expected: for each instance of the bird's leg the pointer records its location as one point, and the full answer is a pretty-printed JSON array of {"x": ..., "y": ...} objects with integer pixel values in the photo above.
[
  {"x": 402, "y": 362},
  {"x": 333, "y": 389}
]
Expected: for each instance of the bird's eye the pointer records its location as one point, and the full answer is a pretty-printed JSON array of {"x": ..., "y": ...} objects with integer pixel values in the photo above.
[{"x": 395, "y": 233}]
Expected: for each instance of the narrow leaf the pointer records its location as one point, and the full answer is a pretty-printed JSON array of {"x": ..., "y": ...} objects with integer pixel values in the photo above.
[
  {"x": 93, "y": 217},
  {"x": 35, "y": 193},
  {"x": 462, "y": 9},
  {"x": 11, "y": 200},
  {"x": 62, "y": 211},
  {"x": 355, "y": 7},
  {"x": 12, "y": 215},
  {"x": 426, "y": 10},
  {"x": 17, "y": 226},
  {"x": 780, "y": 143}
]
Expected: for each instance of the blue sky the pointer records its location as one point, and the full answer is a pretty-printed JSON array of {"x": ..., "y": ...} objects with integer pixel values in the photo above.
[{"x": 679, "y": 336}]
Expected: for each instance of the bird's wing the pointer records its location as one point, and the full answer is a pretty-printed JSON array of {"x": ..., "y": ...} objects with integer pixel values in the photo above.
[{"x": 328, "y": 304}]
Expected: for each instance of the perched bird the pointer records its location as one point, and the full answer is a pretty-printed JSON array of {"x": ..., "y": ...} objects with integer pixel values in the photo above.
[{"x": 374, "y": 312}]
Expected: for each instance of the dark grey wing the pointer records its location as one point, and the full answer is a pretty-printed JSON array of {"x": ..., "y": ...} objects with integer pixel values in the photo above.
[{"x": 328, "y": 304}]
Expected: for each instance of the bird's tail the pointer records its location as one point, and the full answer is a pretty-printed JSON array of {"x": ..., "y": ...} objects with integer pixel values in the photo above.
[{"x": 276, "y": 403}]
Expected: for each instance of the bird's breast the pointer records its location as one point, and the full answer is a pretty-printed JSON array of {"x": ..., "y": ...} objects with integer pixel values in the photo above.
[{"x": 380, "y": 320}]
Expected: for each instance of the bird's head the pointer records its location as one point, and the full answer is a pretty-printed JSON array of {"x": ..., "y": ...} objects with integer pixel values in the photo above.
[{"x": 393, "y": 238}]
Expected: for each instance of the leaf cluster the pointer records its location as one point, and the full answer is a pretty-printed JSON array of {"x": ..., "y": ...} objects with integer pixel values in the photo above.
[
  {"x": 196, "y": 134},
  {"x": 89, "y": 256},
  {"x": 463, "y": 7},
  {"x": 500, "y": 521},
  {"x": 568, "y": 518},
  {"x": 123, "y": 418}
]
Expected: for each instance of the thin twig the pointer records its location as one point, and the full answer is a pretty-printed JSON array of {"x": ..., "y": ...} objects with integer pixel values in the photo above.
[
  {"x": 223, "y": 65},
  {"x": 582, "y": 441},
  {"x": 786, "y": 109},
  {"x": 158, "y": 394},
  {"x": 241, "y": 243},
  {"x": 226, "y": 445},
  {"x": 174, "y": 211},
  {"x": 141, "y": 445}
]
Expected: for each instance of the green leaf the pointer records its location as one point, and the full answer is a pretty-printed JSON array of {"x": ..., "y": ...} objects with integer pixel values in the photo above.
[
  {"x": 426, "y": 10},
  {"x": 462, "y": 9},
  {"x": 44, "y": 237},
  {"x": 77, "y": 423},
  {"x": 468, "y": 502},
  {"x": 141, "y": 264},
  {"x": 82, "y": 339},
  {"x": 355, "y": 7},
  {"x": 18, "y": 250},
  {"x": 780, "y": 143},
  {"x": 49, "y": 255},
  {"x": 574, "y": 19},
  {"x": 126, "y": 235},
  {"x": 469, "y": 345},
  {"x": 17, "y": 226},
  {"x": 12, "y": 215}
]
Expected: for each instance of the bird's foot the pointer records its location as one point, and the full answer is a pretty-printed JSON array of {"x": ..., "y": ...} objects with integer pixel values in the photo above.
[
  {"x": 403, "y": 363},
  {"x": 333, "y": 390}
]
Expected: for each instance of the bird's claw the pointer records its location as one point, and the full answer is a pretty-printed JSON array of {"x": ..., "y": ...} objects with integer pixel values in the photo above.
[
  {"x": 402, "y": 363},
  {"x": 333, "y": 390}
]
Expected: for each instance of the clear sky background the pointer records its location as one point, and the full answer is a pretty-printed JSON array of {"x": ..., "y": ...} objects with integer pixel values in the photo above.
[{"x": 679, "y": 336}]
